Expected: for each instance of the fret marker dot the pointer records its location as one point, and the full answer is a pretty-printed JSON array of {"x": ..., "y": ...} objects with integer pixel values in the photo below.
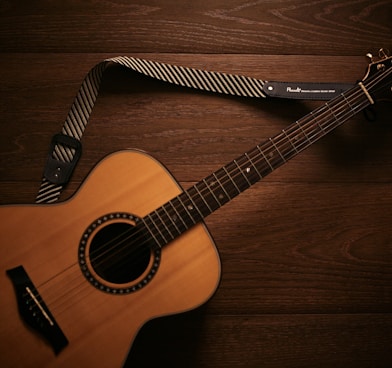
[
  {"x": 190, "y": 207},
  {"x": 247, "y": 170},
  {"x": 221, "y": 196}
]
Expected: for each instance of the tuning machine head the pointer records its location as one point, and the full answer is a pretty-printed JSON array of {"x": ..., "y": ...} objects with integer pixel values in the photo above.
[
  {"x": 370, "y": 56},
  {"x": 382, "y": 55}
]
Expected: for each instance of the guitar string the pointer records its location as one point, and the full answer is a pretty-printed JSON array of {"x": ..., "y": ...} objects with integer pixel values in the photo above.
[
  {"x": 306, "y": 126},
  {"x": 80, "y": 296},
  {"x": 231, "y": 194},
  {"x": 57, "y": 309},
  {"x": 192, "y": 213},
  {"x": 238, "y": 173},
  {"x": 326, "y": 127}
]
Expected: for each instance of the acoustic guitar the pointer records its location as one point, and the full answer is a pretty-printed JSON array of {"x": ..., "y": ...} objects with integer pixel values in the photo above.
[{"x": 80, "y": 278}]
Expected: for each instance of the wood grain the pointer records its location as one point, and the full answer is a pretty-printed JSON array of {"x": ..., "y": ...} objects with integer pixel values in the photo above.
[
  {"x": 306, "y": 253},
  {"x": 266, "y": 341},
  {"x": 204, "y": 26}
]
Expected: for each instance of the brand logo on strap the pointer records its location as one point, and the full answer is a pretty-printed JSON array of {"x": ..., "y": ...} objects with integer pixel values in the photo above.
[{"x": 300, "y": 90}]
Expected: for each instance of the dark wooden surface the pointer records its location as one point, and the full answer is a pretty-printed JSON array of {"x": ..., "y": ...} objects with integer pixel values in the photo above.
[{"x": 307, "y": 253}]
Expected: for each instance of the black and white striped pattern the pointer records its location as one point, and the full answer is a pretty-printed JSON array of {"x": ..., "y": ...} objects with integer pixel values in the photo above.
[
  {"x": 81, "y": 109},
  {"x": 195, "y": 78}
]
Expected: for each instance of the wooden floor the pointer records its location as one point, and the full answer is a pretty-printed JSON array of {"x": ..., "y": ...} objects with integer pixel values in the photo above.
[{"x": 306, "y": 253}]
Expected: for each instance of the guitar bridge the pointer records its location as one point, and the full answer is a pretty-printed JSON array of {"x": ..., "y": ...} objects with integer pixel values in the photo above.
[{"x": 34, "y": 311}]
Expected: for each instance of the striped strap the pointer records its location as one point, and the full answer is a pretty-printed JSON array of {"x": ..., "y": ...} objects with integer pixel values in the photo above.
[{"x": 82, "y": 107}]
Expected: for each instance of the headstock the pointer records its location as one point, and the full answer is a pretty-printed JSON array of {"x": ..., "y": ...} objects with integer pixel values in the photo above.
[
  {"x": 378, "y": 63},
  {"x": 379, "y": 75}
]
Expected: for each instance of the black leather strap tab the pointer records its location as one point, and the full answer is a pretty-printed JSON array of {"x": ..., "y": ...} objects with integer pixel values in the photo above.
[
  {"x": 305, "y": 91},
  {"x": 58, "y": 171}
]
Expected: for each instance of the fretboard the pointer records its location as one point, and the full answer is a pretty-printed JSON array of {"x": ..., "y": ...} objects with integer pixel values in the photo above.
[{"x": 193, "y": 205}]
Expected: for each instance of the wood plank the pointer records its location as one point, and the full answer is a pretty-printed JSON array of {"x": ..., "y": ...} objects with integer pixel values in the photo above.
[
  {"x": 272, "y": 341},
  {"x": 284, "y": 251},
  {"x": 306, "y": 253},
  {"x": 285, "y": 27}
]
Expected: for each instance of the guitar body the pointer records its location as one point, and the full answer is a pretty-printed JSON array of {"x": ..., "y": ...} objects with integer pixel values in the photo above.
[{"x": 99, "y": 318}]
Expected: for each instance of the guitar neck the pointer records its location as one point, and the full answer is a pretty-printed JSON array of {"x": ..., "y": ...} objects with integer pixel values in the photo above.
[{"x": 211, "y": 193}]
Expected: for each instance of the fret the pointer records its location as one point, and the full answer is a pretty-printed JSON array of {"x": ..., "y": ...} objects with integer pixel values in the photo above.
[
  {"x": 155, "y": 236},
  {"x": 303, "y": 133},
  {"x": 221, "y": 187},
  {"x": 298, "y": 138},
  {"x": 317, "y": 130},
  {"x": 312, "y": 129},
  {"x": 248, "y": 169},
  {"x": 192, "y": 220},
  {"x": 191, "y": 206},
  {"x": 335, "y": 118},
  {"x": 164, "y": 230},
  {"x": 285, "y": 145},
  {"x": 182, "y": 226},
  {"x": 265, "y": 158},
  {"x": 342, "y": 113},
  {"x": 165, "y": 220},
  {"x": 242, "y": 172},
  {"x": 349, "y": 105},
  {"x": 270, "y": 152},
  {"x": 212, "y": 193},
  {"x": 319, "y": 125},
  {"x": 203, "y": 198},
  {"x": 254, "y": 166},
  {"x": 339, "y": 113},
  {"x": 259, "y": 162},
  {"x": 159, "y": 228},
  {"x": 231, "y": 179},
  {"x": 200, "y": 203},
  {"x": 332, "y": 113},
  {"x": 223, "y": 196},
  {"x": 288, "y": 137},
  {"x": 171, "y": 218},
  {"x": 277, "y": 150}
]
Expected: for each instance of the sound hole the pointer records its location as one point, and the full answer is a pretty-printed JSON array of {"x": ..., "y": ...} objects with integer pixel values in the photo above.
[{"x": 119, "y": 253}]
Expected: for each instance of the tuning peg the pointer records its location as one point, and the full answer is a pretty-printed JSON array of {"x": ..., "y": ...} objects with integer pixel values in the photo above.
[
  {"x": 383, "y": 53},
  {"x": 370, "y": 56}
]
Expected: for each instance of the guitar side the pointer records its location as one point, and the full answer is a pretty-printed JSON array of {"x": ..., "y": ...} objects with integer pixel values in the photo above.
[{"x": 100, "y": 326}]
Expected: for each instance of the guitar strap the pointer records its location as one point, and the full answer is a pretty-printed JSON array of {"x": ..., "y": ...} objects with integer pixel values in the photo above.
[{"x": 65, "y": 148}]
